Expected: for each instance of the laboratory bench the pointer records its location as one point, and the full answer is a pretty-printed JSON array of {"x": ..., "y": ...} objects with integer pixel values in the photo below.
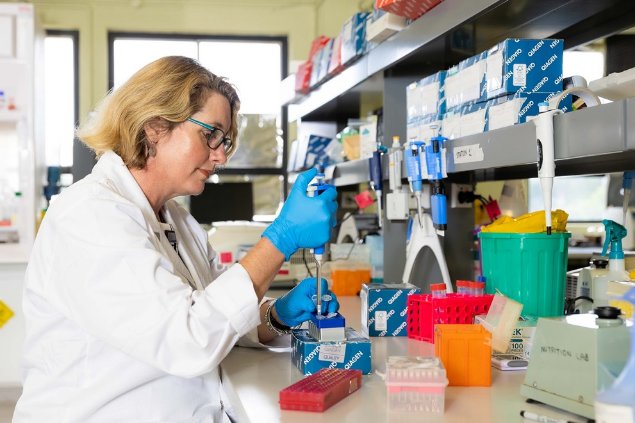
[{"x": 253, "y": 379}]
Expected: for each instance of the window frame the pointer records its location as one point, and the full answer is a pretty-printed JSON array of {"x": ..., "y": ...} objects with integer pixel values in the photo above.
[
  {"x": 282, "y": 40},
  {"x": 74, "y": 35}
]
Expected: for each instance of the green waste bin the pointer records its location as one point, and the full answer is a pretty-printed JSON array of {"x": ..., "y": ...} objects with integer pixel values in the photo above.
[{"x": 529, "y": 268}]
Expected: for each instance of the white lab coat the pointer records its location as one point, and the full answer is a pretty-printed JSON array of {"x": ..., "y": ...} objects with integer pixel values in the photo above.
[{"x": 114, "y": 332}]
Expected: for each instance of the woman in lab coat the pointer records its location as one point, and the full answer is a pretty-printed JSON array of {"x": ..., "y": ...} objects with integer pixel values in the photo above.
[{"x": 128, "y": 313}]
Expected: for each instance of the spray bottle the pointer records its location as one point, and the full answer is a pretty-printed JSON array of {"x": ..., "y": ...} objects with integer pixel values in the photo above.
[
  {"x": 617, "y": 403},
  {"x": 617, "y": 271}
]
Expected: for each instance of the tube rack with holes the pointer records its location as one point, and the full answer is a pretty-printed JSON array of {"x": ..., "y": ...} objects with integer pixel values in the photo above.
[{"x": 424, "y": 311}]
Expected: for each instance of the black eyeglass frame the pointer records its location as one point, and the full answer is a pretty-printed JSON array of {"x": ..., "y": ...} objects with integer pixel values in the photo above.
[{"x": 224, "y": 140}]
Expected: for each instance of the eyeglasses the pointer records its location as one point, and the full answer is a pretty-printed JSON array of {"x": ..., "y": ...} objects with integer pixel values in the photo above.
[{"x": 215, "y": 137}]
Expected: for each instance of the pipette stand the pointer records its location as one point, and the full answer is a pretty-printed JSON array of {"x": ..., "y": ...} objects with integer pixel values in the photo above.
[
  {"x": 424, "y": 236},
  {"x": 329, "y": 327}
]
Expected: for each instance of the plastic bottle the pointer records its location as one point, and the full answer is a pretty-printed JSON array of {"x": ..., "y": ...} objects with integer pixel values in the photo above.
[
  {"x": 617, "y": 403},
  {"x": 462, "y": 287},
  {"x": 617, "y": 269}
]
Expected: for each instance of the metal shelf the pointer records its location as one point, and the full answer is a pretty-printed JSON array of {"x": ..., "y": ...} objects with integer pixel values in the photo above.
[{"x": 597, "y": 139}]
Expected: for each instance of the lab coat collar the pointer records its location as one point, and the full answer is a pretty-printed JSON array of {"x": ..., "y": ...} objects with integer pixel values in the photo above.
[{"x": 111, "y": 167}]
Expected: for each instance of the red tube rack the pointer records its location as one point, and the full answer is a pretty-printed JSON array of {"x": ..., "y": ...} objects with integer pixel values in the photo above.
[
  {"x": 424, "y": 312},
  {"x": 321, "y": 390}
]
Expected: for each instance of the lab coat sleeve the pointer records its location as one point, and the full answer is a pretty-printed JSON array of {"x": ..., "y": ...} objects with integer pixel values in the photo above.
[{"x": 109, "y": 277}]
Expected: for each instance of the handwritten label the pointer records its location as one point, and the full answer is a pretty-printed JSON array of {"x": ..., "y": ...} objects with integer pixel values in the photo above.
[
  {"x": 468, "y": 154},
  {"x": 332, "y": 352}
]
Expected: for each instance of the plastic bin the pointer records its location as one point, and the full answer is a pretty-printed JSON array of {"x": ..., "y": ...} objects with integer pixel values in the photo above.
[
  {"x": 528, "y": 268},
  {"x": 424, "y": 311}
]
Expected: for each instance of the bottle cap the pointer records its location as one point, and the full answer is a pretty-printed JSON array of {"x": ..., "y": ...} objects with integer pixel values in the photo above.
[{"x": 437, "y": 287}]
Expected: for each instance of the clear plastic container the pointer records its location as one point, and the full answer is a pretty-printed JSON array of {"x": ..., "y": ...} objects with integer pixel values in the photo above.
[
  {"x": 438, "y": 290},
  {"x": 462, "y": 287},
  {"x": 415, "y": 384}
]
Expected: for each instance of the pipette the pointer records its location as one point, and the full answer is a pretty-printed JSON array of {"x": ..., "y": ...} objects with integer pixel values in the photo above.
[
  {"x": 546, "y": 157},
  {"x": 412, "y": 156},
  {"x": 314, "y": 189},
  {"x": 376, "y": 178},
  {"x": 436, "y": 169}
]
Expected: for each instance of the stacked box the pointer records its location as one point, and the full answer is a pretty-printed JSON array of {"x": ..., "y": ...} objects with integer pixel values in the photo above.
[
  {"x": 385, "y": 308},
  {"x": 354, "y": 37},
  {"x": 426, "y": 97},
  {"x": 533, "y": 65},
  {"x": 309, "y": 355},
  {"x": 466, "y": 82},
  {"x": 516, "y": 108}
]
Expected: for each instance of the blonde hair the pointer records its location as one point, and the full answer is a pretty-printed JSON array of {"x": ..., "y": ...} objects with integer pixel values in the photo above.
[{"x": 169, "y": 90}]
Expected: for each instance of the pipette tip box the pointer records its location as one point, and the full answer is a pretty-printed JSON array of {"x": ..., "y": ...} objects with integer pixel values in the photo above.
[
  {"x": 415, "y": 384},
  {"x": 329, "y": 327},
  {"x": 321, "y": 390},
  {"x": 310, "y": 355}
]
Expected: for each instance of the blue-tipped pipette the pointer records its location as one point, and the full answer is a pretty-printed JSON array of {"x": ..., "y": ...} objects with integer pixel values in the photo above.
[
  {"x": 436, "y": 169},
  {"x": 627, "y": 184},
  {"x": 376, "y": 178},
  {"x": 412, "y": 156}
]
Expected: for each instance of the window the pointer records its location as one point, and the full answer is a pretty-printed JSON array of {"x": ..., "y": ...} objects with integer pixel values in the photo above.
[
  {"x": 255, "y": 66},
  {"x": 60, "y": 96},
  {"x": 588, "y": 64}
]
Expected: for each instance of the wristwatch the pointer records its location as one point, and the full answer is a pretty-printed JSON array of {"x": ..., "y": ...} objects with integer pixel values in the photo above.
[{"x": 272, "y": 324}]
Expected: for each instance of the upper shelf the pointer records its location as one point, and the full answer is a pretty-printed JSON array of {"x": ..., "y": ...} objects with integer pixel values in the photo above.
[
  {"x": 456, "y": 29},
  {"x": 595, "y": 140}
]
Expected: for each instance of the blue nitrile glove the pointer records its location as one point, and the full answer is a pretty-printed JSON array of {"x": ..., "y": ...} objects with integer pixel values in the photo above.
[
  {"x": 304, "y": 222},
  {"x": 297, "y": 305}
]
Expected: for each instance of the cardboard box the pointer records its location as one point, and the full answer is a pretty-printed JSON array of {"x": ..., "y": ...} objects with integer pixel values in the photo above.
[
  {"x": 531, "y": 65},
  {"x": 426, "y": 97},
  {"x": 385, "y": 308},
  {"x": 309, "y": 355},
  {"x": 382, "y": 27},
  {"x": 514, "y": 109},
  {"x": 409, "y": 8},
  {"x": 353, "y": 37},
  {"x": 466, "y": 82}
]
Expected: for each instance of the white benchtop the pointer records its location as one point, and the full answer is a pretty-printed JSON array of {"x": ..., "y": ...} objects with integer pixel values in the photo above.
[{"x": 253, "y": 379}]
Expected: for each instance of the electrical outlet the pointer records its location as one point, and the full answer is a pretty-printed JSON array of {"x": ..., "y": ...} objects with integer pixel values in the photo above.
[{"x": 455, "y": 189}]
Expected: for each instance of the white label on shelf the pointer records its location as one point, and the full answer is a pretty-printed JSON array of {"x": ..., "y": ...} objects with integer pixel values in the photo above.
[
  {"x": 520, "y": 75},
  {"x": 468, "y": 154},
  {"x": 332, "y": 352},
  {"x": 381, "y": 320}
]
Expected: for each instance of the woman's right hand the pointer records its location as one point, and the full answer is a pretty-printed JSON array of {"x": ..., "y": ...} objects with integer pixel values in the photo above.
[{"x": 304, "y": 222}]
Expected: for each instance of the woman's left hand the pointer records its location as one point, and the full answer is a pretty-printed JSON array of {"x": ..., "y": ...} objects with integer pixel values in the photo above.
[{"x": 298, "y": 305}]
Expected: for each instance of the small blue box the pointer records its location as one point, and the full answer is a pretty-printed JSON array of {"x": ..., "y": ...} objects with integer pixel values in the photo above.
[
  {"x": 354, "y": 37},
  {"x": 534, "y": 65},
  {"x": 385, "y": 308},
  {"x": 309, "y": 355}
]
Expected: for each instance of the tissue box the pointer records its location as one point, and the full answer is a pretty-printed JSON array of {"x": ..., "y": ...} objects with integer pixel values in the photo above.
[
  {"x": 533, "y": 65},
  {"x": 385, "y": 308},
  {"x": 354, "y": 37},
  {"x": 513, "y": 109},
  {"x": 409, "y": 8},
  {"x": 309, "y": 355},
  {"x": 466, "y": 81}
]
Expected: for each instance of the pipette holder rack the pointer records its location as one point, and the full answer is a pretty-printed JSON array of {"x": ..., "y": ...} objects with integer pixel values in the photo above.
[{"x": 425, "y": 311}]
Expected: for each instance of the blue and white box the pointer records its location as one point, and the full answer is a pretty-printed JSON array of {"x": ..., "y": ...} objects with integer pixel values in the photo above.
[
  {"x": 514, "y": 109},
  {"x": 466, "y": 81},
  {"x": 385, "y": 308},
  {"x": 316, "y": 150},
  {"x": 354, "y": 37},
  {"x": 474, "y": 118},
  {"x": 309, "y": 355},
  {"x": 535, "y": 65},
  {"x": 426, "y": 97},
  {"x": 425, "y": 127}
]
